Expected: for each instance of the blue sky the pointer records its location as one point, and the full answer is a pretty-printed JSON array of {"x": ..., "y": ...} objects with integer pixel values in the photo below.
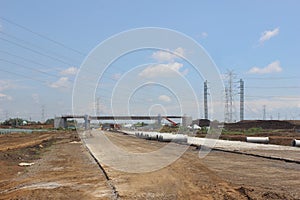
[{"x": 258, "y": 40}]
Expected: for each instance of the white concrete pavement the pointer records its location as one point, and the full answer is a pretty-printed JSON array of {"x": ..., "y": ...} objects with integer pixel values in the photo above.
[{"x": 109, "y": 154}]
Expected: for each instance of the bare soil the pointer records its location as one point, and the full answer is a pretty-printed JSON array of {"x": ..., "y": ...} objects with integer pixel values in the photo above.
[
  {"x": 220, "y": 175},
  {"x": 63, "y": 169},
  {"x": 280, "y": 132},
  {"x": 278, "y": 137}
]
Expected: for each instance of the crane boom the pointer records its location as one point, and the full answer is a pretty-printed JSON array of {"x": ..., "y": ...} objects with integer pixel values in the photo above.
[{"x": 172, "y": 122}]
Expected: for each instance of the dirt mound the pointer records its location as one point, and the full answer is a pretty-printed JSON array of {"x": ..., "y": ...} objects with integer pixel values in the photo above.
[{"x": 264, "y": 124}]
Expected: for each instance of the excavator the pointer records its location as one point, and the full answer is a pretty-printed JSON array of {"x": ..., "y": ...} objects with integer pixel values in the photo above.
[{"x": 172, "y": 122}]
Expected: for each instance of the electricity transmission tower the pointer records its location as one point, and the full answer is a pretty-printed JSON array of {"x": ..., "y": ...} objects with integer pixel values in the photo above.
[
  {"x": 205, "y": 101},
  {"x": 226, "y": 105},
  {"x": 229, "y": 107},
  {"x": 241, "y": 99},
  {"x": 264, "y": 112},
  {"x": 43, "y": 114}
]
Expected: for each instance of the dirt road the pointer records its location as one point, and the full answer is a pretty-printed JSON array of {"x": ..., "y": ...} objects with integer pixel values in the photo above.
[
  {"x": 64, "y": 169},
  {"x": 219, "y": 175}
]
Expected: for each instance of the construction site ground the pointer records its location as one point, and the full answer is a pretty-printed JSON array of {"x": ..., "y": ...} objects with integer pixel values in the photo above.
[{"x": 64, "y": 169}]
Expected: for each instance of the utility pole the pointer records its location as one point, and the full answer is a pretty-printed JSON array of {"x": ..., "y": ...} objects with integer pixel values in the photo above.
[
  {"x": 43, "y": 114},
  {"x": 98, "y": 106},
  {"x": 264, "y": 112},
  {"x": 241, "y": 99},
  {"x": 278, "y": 116},
  {"x": 205, "y": 101}
]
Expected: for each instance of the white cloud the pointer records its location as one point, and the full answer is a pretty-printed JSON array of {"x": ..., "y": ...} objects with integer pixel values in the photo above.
[
  {"x": 116, "y": 76},
  {"x": 161, "y": 70},
  {"x": 5, "y": 97},
  {"x": 273, "y": 67},
  {"x": 63, "y": 82},
  {"x": 6, "y": 85},
  {"x": 185, "y": 72},
  {"x": 164, "y": 98},
  {"x": 162, "y": 56},
  {"x": 69, "y": 71},
  {"x": 36, "y": 98},
  {"x": 266, "y": 35},
  {"x": 204, "y": 35}
]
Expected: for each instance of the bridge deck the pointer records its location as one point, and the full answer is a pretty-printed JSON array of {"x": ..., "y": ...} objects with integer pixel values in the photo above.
[{"x": 121, "y": 117}]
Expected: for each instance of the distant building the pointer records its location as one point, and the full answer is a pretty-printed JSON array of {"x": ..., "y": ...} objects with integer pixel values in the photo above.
[{"x": 201, "y": 122}]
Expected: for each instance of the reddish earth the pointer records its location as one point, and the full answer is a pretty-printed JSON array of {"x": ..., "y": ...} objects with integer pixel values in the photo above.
[
  {"x": 31, "y": 126},
  {"x": 264, "y": 124},
  {"x": 279, "y": 132},
  {"x": 63, "y": 169}
]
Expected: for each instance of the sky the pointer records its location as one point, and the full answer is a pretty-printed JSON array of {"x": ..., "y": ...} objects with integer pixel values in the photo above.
[{"x": 43, "y": 46}]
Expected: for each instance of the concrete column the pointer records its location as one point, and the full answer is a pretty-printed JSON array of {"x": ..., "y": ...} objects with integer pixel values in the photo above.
[
  {"x": 159, "y": 119},
  {"x": 60, "y": 122},
  {"x": 86, "y": 122},
  {"x": 186, "y": 121}
]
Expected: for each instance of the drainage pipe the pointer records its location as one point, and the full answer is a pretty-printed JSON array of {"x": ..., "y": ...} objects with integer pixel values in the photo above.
[
  {"x": 166, "y": 137},
  {"x": 179, "y": 138},
  {"x": 152, "y": 136},
  {"x": 296, "y": 143},
  {"x": 264, "y": 140}
]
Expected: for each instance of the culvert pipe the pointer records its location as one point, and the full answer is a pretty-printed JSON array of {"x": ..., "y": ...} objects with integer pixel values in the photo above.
[
  {"x": 166, "y": 137},
  {"x": 144, "y": 135},
  {"x": 179, "y": 138},
  {"x": 296, "y": 143},
  {"x": 264, "y": 140},
  {"x": 152, "y": 136}
]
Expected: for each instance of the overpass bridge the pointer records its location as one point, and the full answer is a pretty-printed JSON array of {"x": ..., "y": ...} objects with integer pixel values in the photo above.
[{"x": 61, "y": 122}]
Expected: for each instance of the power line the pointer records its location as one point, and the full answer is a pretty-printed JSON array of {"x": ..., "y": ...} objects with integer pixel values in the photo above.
[
  {"x": 31, "y": 44},
  {"x": 22, "y": 75},
  {"x": 30, "y": 68},
  {"x": 273, "y": 87},
  {"x": 42, "y": 36},
  {"x": 34, "y": 51},
  {"x": 272, "y": 78},
  {"x": 26, "y": 59},
  {"x": 272, "y": 96}
]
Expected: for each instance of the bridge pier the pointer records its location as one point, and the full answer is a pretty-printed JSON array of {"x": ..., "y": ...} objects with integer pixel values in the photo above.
[
  {"x": 186, "y": 121},
  {"x": 60, "y": 122},
  {"x": 159, "y": 118},
  {"x": 87, "y": 122}
]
